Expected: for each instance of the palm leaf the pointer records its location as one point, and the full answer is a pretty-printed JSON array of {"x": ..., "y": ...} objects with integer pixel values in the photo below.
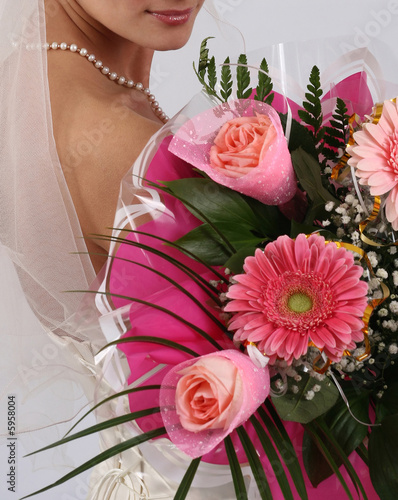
[
  {"x": 100, "y": 427},
  {"x": 255, "y": 464},
  {"x": 236, "y": 471},
  {"x": 152, "y": 340},
  {"x": 111, "y": 452},
  {"x": 328, "y": 457},
  {"x": 272, "y": 456},
  {"x": 201, "y": 332},
  {"x": 114, "y": 396},
  {"x": 186, "y": 482},
  {"x": 285, "y": 447}
]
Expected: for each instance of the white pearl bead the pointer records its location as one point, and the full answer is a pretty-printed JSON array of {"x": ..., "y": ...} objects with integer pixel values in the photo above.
[
  {"x": 112, "y": 76},
  {"x": 121, "y": 80},
  {"x": 83, "y": 52},
  {"x": 54, "y": 46},
  {"x": 130, "y": 84},
  {"x": 63, "y": 46},
  {"x": 98, "y": 64},
  {"x": 155, "y": 104},
  {"x": 147, "y": 92},
  {"x": 73, "y": 47},
  {"x": 105, "y": 70},
  {"x": 139, "y": 86},
  {"x": 91, "y": 58},
  {"x": 151, "y": 97},
  {"x": 162, "y": 115},
  {"x": 46, "y": 46}
]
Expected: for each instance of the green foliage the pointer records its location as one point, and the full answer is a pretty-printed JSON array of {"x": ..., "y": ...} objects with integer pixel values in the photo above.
[
  {"x": 345, "y": 430},
  {"x": 383, "y": 457},
  {"x": 232, "y": 223},
  {"x": 244, "y": 90},
  {"x": 208, "y": 66},
  {"x": 265, "y": 86},
  {"x": 186, "y": 482},
  {"x": 309, "y": 175},
  {"x": 236, "y": 471},
  {"x": 255, "y": 464},
  {"x": 226, "y": 80},
  {"x": 336, "y": 133},
  {"x": 105, "y": 455},
  {"x": 312, "y": 113},
  {"x": 295, "y": 407}
]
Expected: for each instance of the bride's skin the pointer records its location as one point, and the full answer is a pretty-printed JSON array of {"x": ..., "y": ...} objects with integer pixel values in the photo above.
[{"x": 101, "y": 127}]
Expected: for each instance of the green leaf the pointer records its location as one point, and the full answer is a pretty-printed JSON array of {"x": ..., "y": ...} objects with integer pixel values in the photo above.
[
  {"x": 295, "y": 407},
  {"x": 203, "y": 57},
  {"x": 212, "y": 73},
  {"x": 100, "y": 427},
  {"x": 110, "y": 398},
  {"x": 151, "y": 340},
  {"x": 300, "y": 137},
  {"x": 312, "y": 114},
  {"x": 157, "y": 340},
  {"x": 328, "y": 457},
  {"x": 236, "y": 471},
  {"x": 309, "y": 174},
  {"x": 226, "y": 80},
  {"x": 186, "y": 482},
  {"x": 255, "y": 464},
  {"x": 205, "y": 242},
  {"x": 243, "y": 78},
  {"x": 388, "y": 404},
  {"x": 235, "y": 263},
  {"x": 264, "y": 87},
  {"x": 285, "y": 447},
  {"x": 216, "y": 202},
  {"x": 111, "y": 452},
  {"x": 383, "y": 458},
  {"x": 342, "y": 455},
  {"x": 274, "y": 459}
]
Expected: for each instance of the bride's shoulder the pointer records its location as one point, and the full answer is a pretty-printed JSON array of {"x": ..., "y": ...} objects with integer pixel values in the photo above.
[{"x": 98, "y": 139}]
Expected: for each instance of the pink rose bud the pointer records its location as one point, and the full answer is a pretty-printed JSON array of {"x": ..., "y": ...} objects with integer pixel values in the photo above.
[
  {"x": 205, "y": 399},
  {"x": 241, "y": 146}
]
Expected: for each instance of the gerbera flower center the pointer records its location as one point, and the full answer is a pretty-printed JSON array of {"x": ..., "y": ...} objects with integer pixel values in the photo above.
[{"x": 299, "y": 303}]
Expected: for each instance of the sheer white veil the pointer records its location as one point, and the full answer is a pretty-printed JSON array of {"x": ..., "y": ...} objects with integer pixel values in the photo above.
[{"x": 40, "y": 241}]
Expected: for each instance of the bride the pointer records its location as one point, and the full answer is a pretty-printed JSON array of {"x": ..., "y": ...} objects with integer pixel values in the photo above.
[{"x": 76, "y": 112}]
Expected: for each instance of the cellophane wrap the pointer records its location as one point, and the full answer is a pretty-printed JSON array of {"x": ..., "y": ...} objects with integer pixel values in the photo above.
[{"x": 357, "y": 78}]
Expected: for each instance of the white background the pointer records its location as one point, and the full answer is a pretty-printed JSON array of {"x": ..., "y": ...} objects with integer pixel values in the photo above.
[{"x": 261, "y": 23}]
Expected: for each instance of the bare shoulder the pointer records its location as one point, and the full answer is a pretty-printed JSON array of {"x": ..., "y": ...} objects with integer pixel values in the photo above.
[{"x": 98, "y": 140}]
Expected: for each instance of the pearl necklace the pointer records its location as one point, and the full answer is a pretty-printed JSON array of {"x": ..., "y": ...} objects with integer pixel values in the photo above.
[{"x": 120, "y": 80}]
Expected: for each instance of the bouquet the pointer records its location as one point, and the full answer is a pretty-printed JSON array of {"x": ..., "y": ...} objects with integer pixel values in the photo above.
[{"x": 254, "y": 286}]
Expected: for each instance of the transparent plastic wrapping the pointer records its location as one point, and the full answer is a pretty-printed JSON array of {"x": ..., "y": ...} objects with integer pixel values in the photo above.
[{"x": 357, "y": 78}]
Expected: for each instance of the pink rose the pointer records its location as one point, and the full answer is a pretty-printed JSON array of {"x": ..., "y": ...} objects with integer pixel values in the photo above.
[
  {"x": 209, "y": 394},
  {"x": 241, "y": 145},
  {"x": 205, "y": 399},
  {"x": 249, "y": 153}
]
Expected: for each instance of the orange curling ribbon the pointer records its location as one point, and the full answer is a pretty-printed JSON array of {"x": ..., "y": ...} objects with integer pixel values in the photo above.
[
  {"x": 341, "y": 170},
  {"x": 377, "y": 111}
]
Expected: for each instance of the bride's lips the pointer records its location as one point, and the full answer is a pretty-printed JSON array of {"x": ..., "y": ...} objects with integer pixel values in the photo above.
[{"x": 172, "y": 17}]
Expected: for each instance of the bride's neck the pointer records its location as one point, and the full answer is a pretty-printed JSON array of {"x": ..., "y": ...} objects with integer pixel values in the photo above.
[{"x": 66, "y": 21}]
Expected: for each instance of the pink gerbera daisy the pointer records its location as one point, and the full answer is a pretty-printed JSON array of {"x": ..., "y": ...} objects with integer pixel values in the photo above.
[
  {"x": 375, "y": 158},
  {"x": 297, "y": 292}
]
